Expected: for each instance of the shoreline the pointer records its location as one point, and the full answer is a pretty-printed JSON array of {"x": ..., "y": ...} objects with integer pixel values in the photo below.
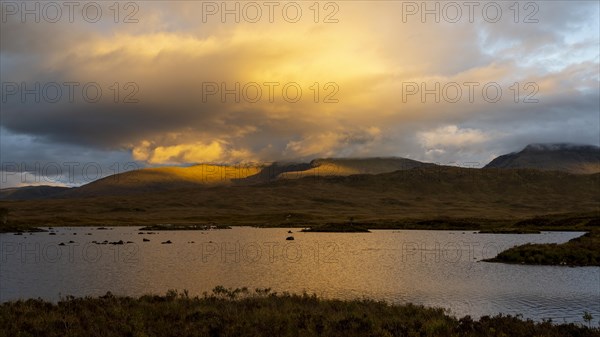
[
  {"x": 523, "y": 225},
  {"x": 580, "y": 252},
  {"x": 259, "y": 312}
]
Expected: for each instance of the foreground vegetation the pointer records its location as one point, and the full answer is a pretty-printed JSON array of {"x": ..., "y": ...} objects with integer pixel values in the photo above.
[
  {"x": 581, "y": 251},
  {"x": 240, "y": 312}
]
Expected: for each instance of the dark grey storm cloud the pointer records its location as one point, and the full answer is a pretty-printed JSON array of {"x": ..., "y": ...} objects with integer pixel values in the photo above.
[{"x": 170, "y": 59}]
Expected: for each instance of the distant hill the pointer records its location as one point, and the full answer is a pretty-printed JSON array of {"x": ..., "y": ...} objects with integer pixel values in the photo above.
[
  {"x": 154, "y": 180},
  {"x": 30, "y": 192},
  {"x": 350, "y": 166},
  {"x": 568, "y": 158},
  {"x": 579, "y": 159},
  {"x": 434, "y": 192}
]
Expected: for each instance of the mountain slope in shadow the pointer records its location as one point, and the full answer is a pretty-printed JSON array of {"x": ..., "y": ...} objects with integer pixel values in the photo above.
[
  {"x": 578, "y": 159},
  {"x": 427, "y": 193},
  {"x": 30, "y": 192}
]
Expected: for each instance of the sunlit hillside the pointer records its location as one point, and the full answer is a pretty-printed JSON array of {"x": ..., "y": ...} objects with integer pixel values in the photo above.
[
  {"x": 350, "y": 166},
  {"x": 167, "y": 178}
]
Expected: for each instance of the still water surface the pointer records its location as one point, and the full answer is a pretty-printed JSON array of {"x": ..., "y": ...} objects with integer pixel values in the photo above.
[{"x": 433, "y": 268}]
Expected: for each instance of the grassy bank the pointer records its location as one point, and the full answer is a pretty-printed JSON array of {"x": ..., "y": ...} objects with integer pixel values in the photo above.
[
  {"x": 180, "y": 227},
  {"x": 261, "y": 313},
  {"x": 578, "y": 221},
  {"x": 338, "y": 228},
  {"x": 581, "y": 251}
]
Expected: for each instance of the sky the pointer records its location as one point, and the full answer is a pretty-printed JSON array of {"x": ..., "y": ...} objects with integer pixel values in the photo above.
[{"x": 95, "y": 88}]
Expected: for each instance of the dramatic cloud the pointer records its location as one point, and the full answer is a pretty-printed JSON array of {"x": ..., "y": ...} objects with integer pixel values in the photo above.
[{"x": 181, "y": 87}]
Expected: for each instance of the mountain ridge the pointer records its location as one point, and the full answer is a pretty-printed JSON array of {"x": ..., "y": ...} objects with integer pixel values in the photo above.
[
  {"x": 565, "y": 157},
  {"x": 573, "y": 158},
  {"x": 424, "y": 193}
]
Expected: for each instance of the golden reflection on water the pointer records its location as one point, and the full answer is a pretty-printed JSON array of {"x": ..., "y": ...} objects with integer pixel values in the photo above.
[{"x": 434, "y": 268}]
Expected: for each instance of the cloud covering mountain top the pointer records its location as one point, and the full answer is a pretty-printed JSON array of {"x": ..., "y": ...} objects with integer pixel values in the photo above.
[{"x": 191, "y": 88}]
